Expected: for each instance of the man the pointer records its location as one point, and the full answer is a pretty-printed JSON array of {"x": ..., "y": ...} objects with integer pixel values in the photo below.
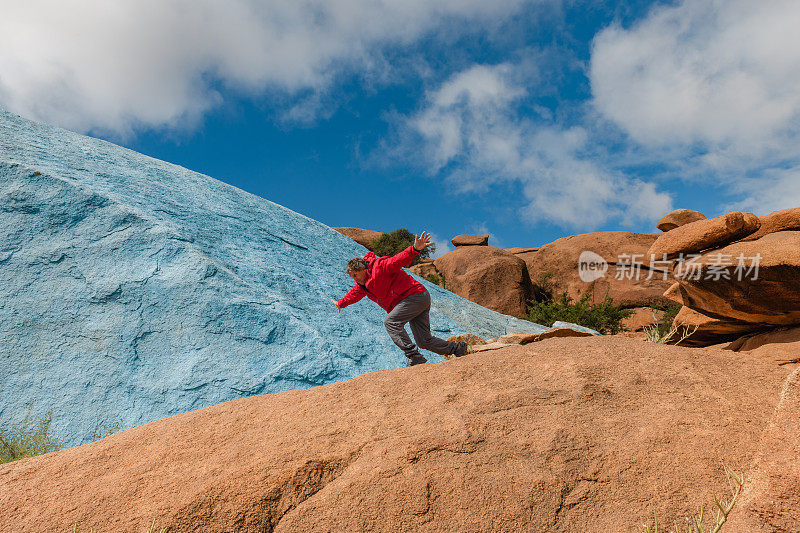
[{"x": 405, "y": 300}]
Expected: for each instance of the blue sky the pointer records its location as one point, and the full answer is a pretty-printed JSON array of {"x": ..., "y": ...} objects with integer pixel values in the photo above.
[{"x": 527, "y": 120}]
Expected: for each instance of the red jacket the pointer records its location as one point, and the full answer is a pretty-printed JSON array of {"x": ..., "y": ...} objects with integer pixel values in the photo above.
[{"x": 387, "y": 283}]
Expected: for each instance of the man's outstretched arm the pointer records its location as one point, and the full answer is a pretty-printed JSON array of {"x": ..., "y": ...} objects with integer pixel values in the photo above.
[
  {"x": 404, "y": 258},
  {"x": 355, "y": 294}
]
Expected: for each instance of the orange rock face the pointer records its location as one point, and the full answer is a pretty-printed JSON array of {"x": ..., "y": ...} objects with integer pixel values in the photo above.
[
  {"x": 424, "y": 268},
  {"x": 624, "y": 284},
  {"x": 708, "y": 330},
  {"x": 678, "y": 218},
  {"x": 487, "y": 276},
  {"x": 783, "y": 220},
  {"x": 704, "y": 234},
  {"x": 550, "y": 436},
  {"x": 364, "y": 237},
  {"x": 525, "y": 338},
  {"x": 779, "y": 345},
  {"x": 768, "y": 297}
]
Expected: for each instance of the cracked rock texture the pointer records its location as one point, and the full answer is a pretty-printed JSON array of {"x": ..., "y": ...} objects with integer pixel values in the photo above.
[
  {"x": 770, "y": 500},
  {"x": 133, "y": 289},
  {"x": 564, "y": 435}
]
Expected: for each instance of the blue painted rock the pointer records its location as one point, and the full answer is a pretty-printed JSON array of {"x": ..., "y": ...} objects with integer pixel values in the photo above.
[{"x": 133, "y": 289}]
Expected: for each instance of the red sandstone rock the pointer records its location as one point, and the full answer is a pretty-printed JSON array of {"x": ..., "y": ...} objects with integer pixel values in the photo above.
[
  {"x": 519, "y": 250},
  {"x": 425, "y": 269},
  {"x": 470, "y": 240},
  {"x": 704, "y": 234},
  {"x": 783, "y": 220},
  {"x": 487, "y": 276},
  {"x": 469, "y": 338},
  {"x": 779, "y": 345},
  {"x": 517, "y": 338},
  {"x": 632, "y": 289},
  {"x": 708, "y": 330},
  {"x": 771, "y": 299},
  {"x": 491, "y": 345},
  {"x": 678, "y": 218},
  {"x": 364, "y": 237},
  {"x": 560, "y": 435},
  {"x": 674, "y": 293}
]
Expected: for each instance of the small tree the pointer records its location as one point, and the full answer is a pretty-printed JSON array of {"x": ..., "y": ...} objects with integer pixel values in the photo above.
[{"x": 397, "y": 241}]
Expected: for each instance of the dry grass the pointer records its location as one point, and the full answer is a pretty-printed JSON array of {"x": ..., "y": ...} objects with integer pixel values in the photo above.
[
  {"x": 31, "y": 437},
  {"x": 656, "y": 334},
  {"x": 724, "y": 508}
]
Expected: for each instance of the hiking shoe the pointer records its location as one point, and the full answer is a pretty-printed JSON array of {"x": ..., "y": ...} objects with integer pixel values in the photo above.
[
  {"x": 416, "y": 360},
  {"x": 462, "y": 349}
]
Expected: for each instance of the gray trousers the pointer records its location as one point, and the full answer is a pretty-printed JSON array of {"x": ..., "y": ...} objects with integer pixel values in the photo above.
[{"x": 415, "y": 310}]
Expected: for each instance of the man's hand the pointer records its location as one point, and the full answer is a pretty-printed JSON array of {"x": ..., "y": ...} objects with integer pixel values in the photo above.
[
  {"x": 422, "y": 241},
  {"x": 337, "y": 305}
]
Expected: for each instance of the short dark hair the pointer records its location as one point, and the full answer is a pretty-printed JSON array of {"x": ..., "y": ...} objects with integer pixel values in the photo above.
[{"x": 356, "y": 264}]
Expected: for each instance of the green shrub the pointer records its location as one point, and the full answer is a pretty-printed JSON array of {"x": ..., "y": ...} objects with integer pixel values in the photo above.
[
  {"x": 27, "y": 439},
  {"x": 397, "y": 241},
  {"x": 604, "y": 317},
  {"x": 437, "y": 279}
]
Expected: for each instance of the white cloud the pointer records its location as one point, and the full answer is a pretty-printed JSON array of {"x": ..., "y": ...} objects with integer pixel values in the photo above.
[
  {"x": 775, "y": 189},
  {"x": 710, "y": 90},
  {"x": 722, "y": 74},
  {"x": 471, "y": 131},
  {"x": 120, "y": 65}
]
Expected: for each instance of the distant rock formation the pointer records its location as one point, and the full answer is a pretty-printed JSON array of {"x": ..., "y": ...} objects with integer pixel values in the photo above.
[
  {"x": 631, "y": 281},
  {"x": 470, "y": 240},
  {"x": 560, "y": 329},
  {"x": 736, "y": 274},
  {"x": 519, "y": 250},
  {"x": 364, "y": 237},
  {"x": 783, "y": 220},
  {"x": 678, "y": 218},
  {"x": 779, "y": 345},
  {"x": 487, "y": 275},
  {"x": 707, "y": 331},
  {"x": 770, "y": 298},
  {"x": 133, "y": 289},
  {"x": 550, "y": 436},
  {"x": 495, "y": 278},
  {"x": 704, "y": 234},
  {"x": 642, "y": 317}
]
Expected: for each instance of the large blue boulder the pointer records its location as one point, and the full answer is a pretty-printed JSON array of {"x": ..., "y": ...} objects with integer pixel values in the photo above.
[{"x": 132, "y": 289}]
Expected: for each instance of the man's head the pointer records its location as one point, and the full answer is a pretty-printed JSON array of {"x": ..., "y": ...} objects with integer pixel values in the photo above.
[{"x": 357, "y": 269}]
